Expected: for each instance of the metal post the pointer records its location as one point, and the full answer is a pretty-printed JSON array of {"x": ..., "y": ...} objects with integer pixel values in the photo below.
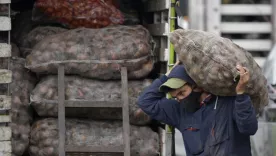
[
  {"x": 9, "y": 15},
  {"x": 213, "y": 16},
  {"x": 196, "y": 14},
  {"x": 168, "y": 148},
  {"x": 61, "y": 110},
  {"x": 273, "y": 5},
  {"x": 125, "y": 110},
  {"x": 9, "y": 42}
]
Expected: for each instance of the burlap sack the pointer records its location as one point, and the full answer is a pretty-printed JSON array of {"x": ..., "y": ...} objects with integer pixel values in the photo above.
[
  {"x": 211, "y": 62},
  {"x": 37, "y": 35},
  {"x": 95, "y": 53},
  {"x": 21, "y": 116},
  {"x": 44, "y": 136},
  {"x": 45, "y": 95}
]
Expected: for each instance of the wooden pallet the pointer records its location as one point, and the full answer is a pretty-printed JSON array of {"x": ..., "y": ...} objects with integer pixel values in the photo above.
[{"x": 72, "y": 150}]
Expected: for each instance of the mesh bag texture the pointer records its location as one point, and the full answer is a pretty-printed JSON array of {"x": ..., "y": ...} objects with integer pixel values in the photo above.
[
  {"x": 22, "y": 84},
  {"x": 44, "y": 136},
  {"x": 95, "y": 53},
  {"x": 211, "y": 62},
  {"x": 45, "y": 96},
  {"x": 37, "y": 35},
  {"x": 75, "y": 13}
]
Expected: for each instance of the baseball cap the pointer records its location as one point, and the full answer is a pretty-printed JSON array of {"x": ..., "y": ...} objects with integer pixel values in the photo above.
[{"x": 177, "y": 78}]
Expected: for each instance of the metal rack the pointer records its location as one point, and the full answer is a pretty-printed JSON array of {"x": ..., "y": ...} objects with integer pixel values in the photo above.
[
  {"x": 164, "y": 21},
  {"x": 5, "y": 78},
  {"x": 73, "y": 150},
  {"x": 206, "y": 15}
]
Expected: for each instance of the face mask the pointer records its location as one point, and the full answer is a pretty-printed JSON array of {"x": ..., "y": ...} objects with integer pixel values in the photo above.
[{"x": 191, "y": 102}]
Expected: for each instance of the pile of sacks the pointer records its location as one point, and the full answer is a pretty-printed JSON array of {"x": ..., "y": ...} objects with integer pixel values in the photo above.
[
  {"x": 92, "y": 52},
  {"x": 92, "y": 59}
]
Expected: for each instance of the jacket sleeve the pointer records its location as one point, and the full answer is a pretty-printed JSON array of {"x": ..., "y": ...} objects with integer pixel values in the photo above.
[
  {"x": 244, "y": 115},
  {"x": 157, "y": 106}
]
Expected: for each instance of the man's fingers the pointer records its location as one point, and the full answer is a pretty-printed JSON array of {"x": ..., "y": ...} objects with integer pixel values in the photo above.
[
  {"x": 246, "y": 69},
  {"x": 243, "y": 74},
  {"x": 240, "y": 69}
]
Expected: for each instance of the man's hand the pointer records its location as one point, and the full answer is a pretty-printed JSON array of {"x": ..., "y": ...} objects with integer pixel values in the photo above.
[
  {"x": 244, "y": 78},
  {"x": 177, "y": 63}
]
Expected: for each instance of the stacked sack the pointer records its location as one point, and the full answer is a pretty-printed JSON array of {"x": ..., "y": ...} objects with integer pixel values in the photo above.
[
  {"x": 85, "y": 13},
  {"x": 95, "y": 53},
  {"x": 92, "y": 60},
  {"x": 87, "y": 132},
  {"x": 23, "y": 82},
  {"x": 92, "y": 57}
]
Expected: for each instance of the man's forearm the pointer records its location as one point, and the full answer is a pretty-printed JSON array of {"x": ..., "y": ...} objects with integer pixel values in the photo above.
[
  {"x": 157, "y": 106},
  {"x": 244, "y": 115}
]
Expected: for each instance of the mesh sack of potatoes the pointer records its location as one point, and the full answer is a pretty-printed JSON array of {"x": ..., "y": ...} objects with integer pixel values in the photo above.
[
  {"x": 44, "y": 136},
  {"x": 21, "y": 116},
  {"x": 37, "y": 35},
  {"x": 211, "y": 62},
  {"x": 75, "y": 13},
  {"x": 95, "y": 53},
  {"x": 45, "y": 96}
]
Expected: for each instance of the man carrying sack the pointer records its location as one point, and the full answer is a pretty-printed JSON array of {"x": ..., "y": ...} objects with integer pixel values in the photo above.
[{"x": 211, "y": 125}]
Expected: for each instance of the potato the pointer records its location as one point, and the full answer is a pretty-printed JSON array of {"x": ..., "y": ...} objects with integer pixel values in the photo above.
[{"x": 80, "y": 132}]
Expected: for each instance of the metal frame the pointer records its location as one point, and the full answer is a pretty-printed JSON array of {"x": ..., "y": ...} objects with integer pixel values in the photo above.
[
  {"x": 88, "y": 150},
  {"x": 5, "y": 50},
  {"x": 5, "y": 1},
  {"x": 254, "y": 45},
  {"x": 160, "y": 27},
  {"x": 246, "y": 9},
  {"x": 5, "y": 78},
  {"x": 197, "y": 15},
  {"x": 157, "y": 5},
  {"x": 164, "y": 21},
  {"x": 273, "y": 7},
  {"x": 246, "y": 27},
  {"x": 214, "y": 10},
  {"x": 213, "y": 16}
]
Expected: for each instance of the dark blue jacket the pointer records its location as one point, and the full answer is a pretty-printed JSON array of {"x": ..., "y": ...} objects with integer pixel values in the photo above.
[{"x": 221, "y": 129}]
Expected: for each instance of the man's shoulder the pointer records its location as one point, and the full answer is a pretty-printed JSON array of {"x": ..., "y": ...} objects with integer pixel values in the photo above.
[
  {"x": 226, "y": 99},
  {"x": 234, "y": 97}
]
